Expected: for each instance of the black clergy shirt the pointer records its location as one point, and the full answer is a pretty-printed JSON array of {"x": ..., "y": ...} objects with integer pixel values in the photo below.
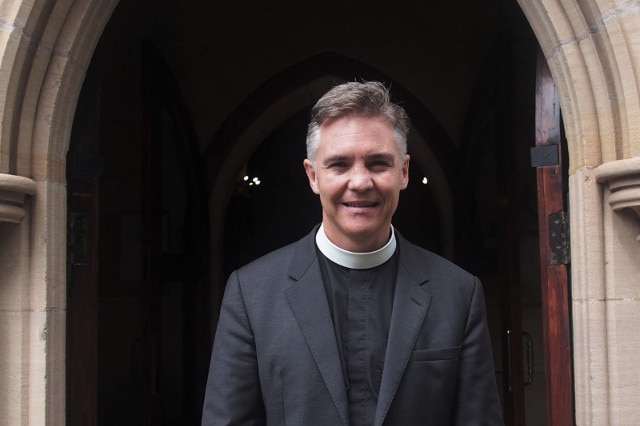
[{"x": 361, "y": 301}]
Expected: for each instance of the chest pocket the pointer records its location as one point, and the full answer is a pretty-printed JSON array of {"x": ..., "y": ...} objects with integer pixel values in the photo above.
[{"x": 438, "y": 354}]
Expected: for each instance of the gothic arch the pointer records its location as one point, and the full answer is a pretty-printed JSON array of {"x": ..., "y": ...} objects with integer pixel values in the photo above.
[
  {"x": 591, "y": 54},
  {"x": 44, "y": 53},
  {"x": 45, "y": 59},
  {"x": 588, "y": 46}
]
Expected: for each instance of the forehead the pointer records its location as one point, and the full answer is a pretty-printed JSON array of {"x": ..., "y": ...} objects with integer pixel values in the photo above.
[{"x": 356, "y": 132}]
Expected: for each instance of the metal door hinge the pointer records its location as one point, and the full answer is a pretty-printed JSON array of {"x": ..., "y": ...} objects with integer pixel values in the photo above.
[
  {"x": 559, "y": 238},
  {"x": 546, "y": 155}
]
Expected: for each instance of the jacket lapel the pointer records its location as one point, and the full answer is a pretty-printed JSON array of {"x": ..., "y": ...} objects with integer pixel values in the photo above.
[
  {"x": 410, "y": 306},
  {"x": 308, "y": 301}
]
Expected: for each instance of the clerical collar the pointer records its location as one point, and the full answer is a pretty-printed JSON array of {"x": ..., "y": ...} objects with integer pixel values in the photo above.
[{"x": 355, "y": 260}]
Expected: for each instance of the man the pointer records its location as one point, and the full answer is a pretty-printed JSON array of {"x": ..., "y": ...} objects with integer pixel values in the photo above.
[{"x": 353, "y": 325}]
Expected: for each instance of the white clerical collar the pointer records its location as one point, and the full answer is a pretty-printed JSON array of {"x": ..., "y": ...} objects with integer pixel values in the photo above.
[{"x": 355, "y": 260}]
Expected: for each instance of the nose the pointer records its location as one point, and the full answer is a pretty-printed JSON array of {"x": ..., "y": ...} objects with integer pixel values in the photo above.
[{"x": 360, "y": 179}]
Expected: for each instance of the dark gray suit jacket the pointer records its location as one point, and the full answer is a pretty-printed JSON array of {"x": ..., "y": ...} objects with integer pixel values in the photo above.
[{"x": 275, "y": 359}]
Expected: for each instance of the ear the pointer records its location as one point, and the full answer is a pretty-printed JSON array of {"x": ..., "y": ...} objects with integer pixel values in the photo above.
[
  {"x": 311, "y": 175},
  {"x": 405, "y": 172}
]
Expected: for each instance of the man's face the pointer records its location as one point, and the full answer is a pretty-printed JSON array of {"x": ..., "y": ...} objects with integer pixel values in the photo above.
[{"x": 358, "y": 173}]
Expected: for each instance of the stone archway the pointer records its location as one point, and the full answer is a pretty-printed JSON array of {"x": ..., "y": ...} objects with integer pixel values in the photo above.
[
  {"x": 45, "y": 52},
  {"x": 594, "y": 65},
  {"x": 46, "y": 48},
  {"x": 587, "y": 46}
]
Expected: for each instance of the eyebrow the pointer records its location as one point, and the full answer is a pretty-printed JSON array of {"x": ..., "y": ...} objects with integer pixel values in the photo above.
[{"x": 334, "y": 158}]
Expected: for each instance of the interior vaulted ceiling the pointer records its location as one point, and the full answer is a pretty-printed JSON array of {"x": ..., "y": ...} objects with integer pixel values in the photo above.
[{"x": 221, "y": 53}]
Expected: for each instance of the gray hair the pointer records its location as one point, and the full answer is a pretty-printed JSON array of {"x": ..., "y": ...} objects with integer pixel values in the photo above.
[{"x": 367, "y": 99}]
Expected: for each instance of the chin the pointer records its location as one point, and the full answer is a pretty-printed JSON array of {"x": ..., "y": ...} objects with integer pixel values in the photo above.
[{"x": 362, "y": 234}]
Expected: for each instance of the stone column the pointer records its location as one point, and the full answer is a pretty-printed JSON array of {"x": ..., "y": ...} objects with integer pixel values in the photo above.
[
  {"x": 14, "y": 297},
  {"x": 32, "y": 301},
  {"x": 620, "y": 182},
  {"x": 13, "y": 190}
]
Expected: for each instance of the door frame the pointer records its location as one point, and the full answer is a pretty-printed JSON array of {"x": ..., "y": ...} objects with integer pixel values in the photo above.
[{"x": 549, "y": 157}]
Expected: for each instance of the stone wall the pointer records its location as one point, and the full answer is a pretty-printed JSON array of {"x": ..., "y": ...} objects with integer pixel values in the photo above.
[{"x": 593, "y": 49}]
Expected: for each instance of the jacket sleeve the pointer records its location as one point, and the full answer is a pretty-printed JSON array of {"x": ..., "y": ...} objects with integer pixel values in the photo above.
[
  {"x": 477, "y": 401},
  {"x": 233, "y": 395}
]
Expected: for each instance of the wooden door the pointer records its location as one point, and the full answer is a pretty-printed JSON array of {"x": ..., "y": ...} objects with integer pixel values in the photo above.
[{"x": 548, "y": 158}]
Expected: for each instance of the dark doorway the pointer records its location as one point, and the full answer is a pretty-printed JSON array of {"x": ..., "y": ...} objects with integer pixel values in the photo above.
[
  {"x": 142, "y": 293},
  {"x": 495, "y": 223},
  {"x": 139, "y": 319}
]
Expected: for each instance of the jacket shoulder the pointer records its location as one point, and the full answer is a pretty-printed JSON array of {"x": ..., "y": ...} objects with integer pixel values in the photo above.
[{"x": 424, "y": 264}]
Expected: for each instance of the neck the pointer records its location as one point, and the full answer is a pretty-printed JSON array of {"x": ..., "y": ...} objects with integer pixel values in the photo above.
[{"x": 355, "y": 260}]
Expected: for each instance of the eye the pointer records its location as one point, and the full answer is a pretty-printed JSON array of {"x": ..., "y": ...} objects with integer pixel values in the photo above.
[
  {"x": 338, "y": 165},
  {"x": 380, "y": 165}
]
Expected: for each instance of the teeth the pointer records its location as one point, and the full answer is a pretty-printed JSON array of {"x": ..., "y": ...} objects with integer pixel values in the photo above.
[{"x": 360, "y": 204}]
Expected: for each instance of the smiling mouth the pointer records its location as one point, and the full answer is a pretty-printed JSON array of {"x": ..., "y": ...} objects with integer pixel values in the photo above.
[{"x": 360, "y": 204}]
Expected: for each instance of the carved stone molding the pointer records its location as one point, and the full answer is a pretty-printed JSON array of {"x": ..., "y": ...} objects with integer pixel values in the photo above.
[
  {"x": 13, "y": 190},
  {"x": 623, "y": 177}
]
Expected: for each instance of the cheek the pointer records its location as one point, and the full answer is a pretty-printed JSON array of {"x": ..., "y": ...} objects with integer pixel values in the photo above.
[{"x": 328, "y": 186}]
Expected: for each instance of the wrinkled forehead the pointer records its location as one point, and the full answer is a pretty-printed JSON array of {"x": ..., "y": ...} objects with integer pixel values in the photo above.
[
  {"x": 378, "y": 128},
  {"x": 358, "y": 135}
]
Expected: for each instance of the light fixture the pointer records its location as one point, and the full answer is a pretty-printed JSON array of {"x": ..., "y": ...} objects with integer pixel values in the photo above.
[{"x": 254, "y": 181}]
